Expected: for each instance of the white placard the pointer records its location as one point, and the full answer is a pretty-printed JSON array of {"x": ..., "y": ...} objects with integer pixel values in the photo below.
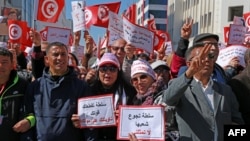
[
  {"x": 77, "y": 5},
  {"x": 146, "y": 122},
  {"x": 236, "y": 34},
  {"x": 78, "y": 20},
  {"x": 115, "y": 27},
  {"x": 56, "y": 34},
  {"x": 96, "y": 111},
  {"x": 169, "y": 49},
  {"x": 226, "y": 54},
  {"x": 137, "y": 36}
]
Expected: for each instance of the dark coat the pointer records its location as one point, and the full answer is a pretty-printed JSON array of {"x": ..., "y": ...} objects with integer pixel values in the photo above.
[
  {"x": 240, "y": 85},
  {"x": 12, "y": 106}
]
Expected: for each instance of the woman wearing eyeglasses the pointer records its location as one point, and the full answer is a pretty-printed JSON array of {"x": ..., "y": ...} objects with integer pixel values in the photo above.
[
  {"x": 109, "y": 80},
  {"x": 149, "y": 92}
]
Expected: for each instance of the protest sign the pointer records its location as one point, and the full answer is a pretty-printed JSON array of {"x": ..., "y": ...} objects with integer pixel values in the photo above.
[
  {"x": 78, "y": 20},
  {"x": 146, "y": 122},
  {"x": 236, "y": 34},
  {"x": 96, "y": 111},
  {"x": 56, "y": 34},
  {"x": 138, "y": 36},
  {"x": 115, "y": 27},
  {"x": 226, "y": 54}
]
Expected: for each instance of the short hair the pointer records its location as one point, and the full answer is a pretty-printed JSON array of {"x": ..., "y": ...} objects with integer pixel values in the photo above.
[
  {"x": 6, "y": 52},
  {"x": 188, "y": 52},
  {"x": 59, "y": 44}
]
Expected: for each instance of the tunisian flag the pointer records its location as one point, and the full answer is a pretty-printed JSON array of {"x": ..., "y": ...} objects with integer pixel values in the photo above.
[
  {"x": 99, "y": 14},
  {"x": 226, "y": 33},
  {"x": 247, "y": 20},
  {"x": 49, "y": 10},
  {"x": 26, "y": 41},
  {"x": 17, "y": 31}
]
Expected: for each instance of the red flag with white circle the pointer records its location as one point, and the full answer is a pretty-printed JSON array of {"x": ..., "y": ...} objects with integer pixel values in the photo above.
[
  {"x": 17, "y": 30},
  {"x": 49, "y": 10},
  {"x": 247, "y": 20}
]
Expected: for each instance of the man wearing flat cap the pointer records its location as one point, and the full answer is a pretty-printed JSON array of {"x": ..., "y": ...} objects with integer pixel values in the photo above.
[{"x": 203, "y": 105}]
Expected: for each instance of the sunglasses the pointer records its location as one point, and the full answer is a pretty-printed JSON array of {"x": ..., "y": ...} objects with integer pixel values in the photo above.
[
  {"x": 160, "y": 70},
  {"x": 108, "y": 68},
  {"x": 118, "y": 48},
  {"x": 141, "y": 77},
  {"x": 210, "y": 56}
]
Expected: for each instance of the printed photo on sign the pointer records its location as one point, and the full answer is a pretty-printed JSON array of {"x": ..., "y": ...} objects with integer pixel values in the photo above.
[
  {"x": 8, "y": 13},
  {"x": 146, "y": 122},
  {"x": 96, "y": 111}
]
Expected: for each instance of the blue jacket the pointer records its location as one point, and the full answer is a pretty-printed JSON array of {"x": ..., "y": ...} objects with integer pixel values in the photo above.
[{"x": 53, "y": 101}]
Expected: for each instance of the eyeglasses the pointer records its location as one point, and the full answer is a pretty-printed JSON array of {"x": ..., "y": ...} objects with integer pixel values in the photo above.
[
  {"x": 108, "y": 68},
  {"x": 161, "y": 70},
  {"x": 118, "y": 48},
  {"x": 203, "y": 44},
  {"x": 210, "y": 56},
  {"x": 142, "y": 77}
]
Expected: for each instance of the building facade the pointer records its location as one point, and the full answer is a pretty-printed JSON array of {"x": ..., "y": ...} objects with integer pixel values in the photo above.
[
  {"x": 208, "y": 15},
  {"x": 141, "y": 11}
]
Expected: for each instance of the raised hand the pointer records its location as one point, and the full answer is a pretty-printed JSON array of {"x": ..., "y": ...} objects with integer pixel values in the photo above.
[
  {"x": 186, "y": 29},
  {"x": 35, "y": 37},
  {"x": 198, "y": 61}
]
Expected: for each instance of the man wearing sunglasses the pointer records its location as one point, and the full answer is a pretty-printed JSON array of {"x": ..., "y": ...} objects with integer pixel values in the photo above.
[
  {"x": 200, "y": 41},
  {"x": 203, "y": 105}
]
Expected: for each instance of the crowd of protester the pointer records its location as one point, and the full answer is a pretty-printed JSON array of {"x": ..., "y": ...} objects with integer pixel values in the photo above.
[{"x": 40, "y": 90}]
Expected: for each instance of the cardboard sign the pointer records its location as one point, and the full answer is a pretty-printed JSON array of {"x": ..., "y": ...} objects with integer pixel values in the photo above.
[
  {"x": 56, "y": 34},
  {"x": 115, "y": 27},
  {"x": 226, "y": 54},
  {"x": 146, "y": 122},
  {"x": 78, "y": 20},
  {"x": 138, "y": 36},
  {"x": 236, "y": 34},
  {"x": 96, "y": 111}
]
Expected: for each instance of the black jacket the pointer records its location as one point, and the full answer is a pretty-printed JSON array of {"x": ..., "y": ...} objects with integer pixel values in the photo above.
[{"x": 12, "y": 106}]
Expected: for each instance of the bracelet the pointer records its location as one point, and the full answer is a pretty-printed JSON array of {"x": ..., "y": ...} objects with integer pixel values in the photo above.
[{"x": 32, "y": 120}]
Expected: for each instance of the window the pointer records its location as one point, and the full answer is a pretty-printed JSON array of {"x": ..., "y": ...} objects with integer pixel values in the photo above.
[
  {"x": 161, "y": 27},
  {"x": 139, "y": 10},
  {"x": 235, "y": 11},
  {"x": 209, "y": 18},
  {"x": 201, "y": 21},
  {"x": 158, "y": 13},
  {"x": 158, "y": 2},
  {"x": 205, "y": 20}
]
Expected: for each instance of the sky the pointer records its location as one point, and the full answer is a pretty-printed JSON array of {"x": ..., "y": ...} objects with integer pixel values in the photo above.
[{"x": 95, "y": 31}]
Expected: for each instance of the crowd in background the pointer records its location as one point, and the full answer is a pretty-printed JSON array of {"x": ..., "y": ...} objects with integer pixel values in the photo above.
[{"x": 198, "y": 95}]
